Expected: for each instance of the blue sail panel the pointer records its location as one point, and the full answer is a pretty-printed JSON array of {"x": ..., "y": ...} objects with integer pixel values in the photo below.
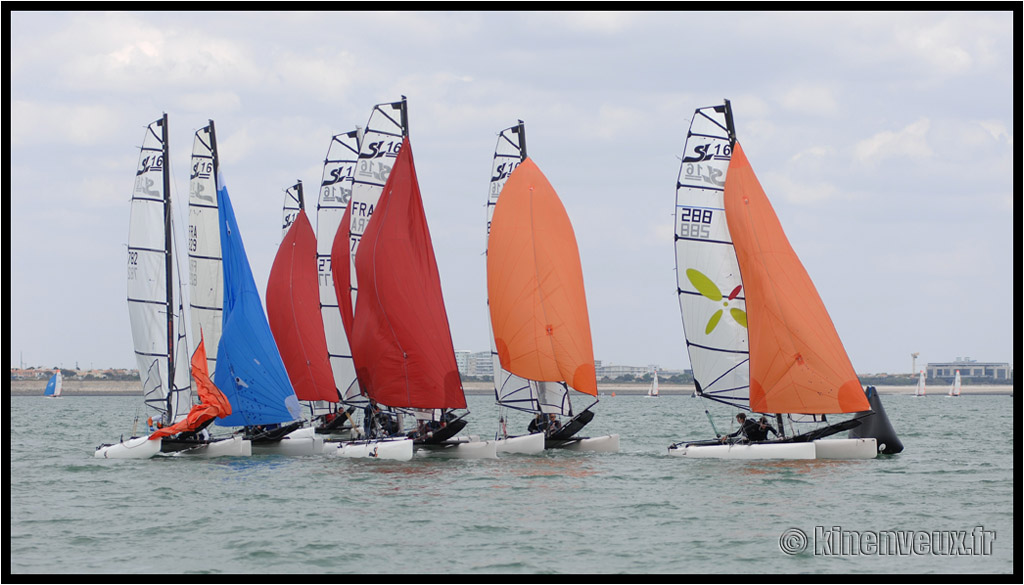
[
  {"x": 51, "y": 386},
  {"x": 250, "y": 371}
]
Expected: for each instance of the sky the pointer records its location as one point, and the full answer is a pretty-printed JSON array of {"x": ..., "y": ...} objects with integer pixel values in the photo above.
[{"x": 884, "y": 141}]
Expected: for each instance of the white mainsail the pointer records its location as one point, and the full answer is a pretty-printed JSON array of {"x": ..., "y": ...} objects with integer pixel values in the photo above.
[
  {"x": 335, "y": 194},
  {"x": 292, "y": 205},
  {"x": 378, "y": 149},
  {"x": 206, "y": 274},
  {"x": 154, "y": 293},
  {"x": 921, "y": 390},
  {"x": 653, "y": 391},
  {"x": 510, "y": 390},
  {"x": 706, "y": 264}
]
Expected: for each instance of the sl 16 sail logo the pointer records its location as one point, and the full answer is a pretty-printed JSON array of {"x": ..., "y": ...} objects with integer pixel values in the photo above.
[
  {"x": 707, "y": 173},
  {"x": 709, "y": 290}
]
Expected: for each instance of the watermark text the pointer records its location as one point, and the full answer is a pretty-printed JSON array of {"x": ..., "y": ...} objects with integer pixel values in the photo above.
[{"x": 835, "y": 541}]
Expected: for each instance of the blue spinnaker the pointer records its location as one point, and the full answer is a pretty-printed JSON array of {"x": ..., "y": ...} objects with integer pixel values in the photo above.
[{"x": 250, "y": 371}]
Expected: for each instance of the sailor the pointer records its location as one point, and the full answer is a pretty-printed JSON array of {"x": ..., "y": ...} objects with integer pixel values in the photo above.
[
  {"x": 747, "y": 428},
  {"x": 553, "y": 425},
  {"x": 538, "y": 424},
  {"x": 156, "y": 422},
  {"x": 759, "y": 432}
]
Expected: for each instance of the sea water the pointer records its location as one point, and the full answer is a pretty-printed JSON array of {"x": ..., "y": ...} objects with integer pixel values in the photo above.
[{"x": 947, "y": 500}]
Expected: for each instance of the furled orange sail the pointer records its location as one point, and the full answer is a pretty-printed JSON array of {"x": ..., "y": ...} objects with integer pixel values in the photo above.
[
  {"x": 401, "y": 344},
  {"x": 535, "y": 285},
  {"x": 797, "y": 362},
  {"x": 212, "y": 402},
  {"x": 293, "y": 310}
]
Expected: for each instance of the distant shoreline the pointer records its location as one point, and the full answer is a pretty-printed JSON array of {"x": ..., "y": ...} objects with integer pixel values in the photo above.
[{"x": 131, "y": 388}]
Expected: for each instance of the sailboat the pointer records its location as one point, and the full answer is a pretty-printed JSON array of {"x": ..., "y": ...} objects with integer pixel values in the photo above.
[
  {"x": 156, "y": 313},
  {"x": 653, "y": 390},
  {"x": 293, "y": 311},
  {"x": 54, "y": 385},
  {"x": 537, "y": 305},
  {"x": 921, "y": 390},
  {"x": 954, "y": 389},
  {"x": 335, "y": 194},
  {"x": 398, "y": 327},
  {"x": 751, "y": 347},
  {"x": 247, "y": 366}
]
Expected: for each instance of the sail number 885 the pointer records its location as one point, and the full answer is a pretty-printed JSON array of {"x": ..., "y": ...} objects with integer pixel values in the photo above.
[{"x": 695, "y": 222}]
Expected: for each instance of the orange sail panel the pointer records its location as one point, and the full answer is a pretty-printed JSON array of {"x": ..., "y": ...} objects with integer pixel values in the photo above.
[
  {"x": 535, "y": 285},
  {"x": 293, "y": 310},
  {"x": 212, "y": 402},
  {"x": 401, "y": 343},
  {"x": 797, "y": 362}
]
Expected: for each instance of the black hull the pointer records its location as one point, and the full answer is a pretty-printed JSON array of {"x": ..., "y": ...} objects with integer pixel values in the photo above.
[
  {"x": 570, "y": 428},
  {"x": 443, "y": 434},
  {"x": 269, "y": 436}
]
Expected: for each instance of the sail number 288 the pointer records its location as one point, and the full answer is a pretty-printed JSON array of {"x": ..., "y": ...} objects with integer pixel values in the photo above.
[{"x": 695, "y": 222}]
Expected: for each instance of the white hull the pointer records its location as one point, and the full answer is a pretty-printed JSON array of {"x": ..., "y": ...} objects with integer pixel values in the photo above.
[
  {"x": 302, "y": 441},
  {"x": 228, "y": 447},
  {"x": 134, "y": 448},
  {"x": 846, "y": 448},
  {"x": 525, "y": 444},
  {"x": 820, "y": 449},
  {"x": 739, "y": 451},
  {"x": 395, "y": 449},
  {"x": 461, "y": 448},
  {"x": 605, "y": 444}
]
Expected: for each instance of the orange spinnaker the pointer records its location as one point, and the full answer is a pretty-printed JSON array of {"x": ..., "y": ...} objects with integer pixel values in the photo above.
[
  {"x": 212, "y": 402},
  {"x": 535, "y": 285},
  {"x": 797, "y": 362}
]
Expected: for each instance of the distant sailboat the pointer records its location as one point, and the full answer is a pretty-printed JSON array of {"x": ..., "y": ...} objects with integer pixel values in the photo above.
[
  {"x": 954, "y": 389},
  {"x": 749, "y": 346},
  {"x": 54, "y": 385},
  {"x": 537, "y": 304},
  {"x": 920, "y": 390},
  {"x": 653, "y": 390}
]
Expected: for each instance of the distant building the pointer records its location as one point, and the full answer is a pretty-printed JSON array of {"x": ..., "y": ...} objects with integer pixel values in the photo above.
[
  {"x": 970, "y": 370},
  {"x": 476, "y": 363}
]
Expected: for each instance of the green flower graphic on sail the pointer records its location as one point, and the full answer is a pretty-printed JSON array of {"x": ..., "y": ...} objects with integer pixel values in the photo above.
[{"x": 709, "y": 289}]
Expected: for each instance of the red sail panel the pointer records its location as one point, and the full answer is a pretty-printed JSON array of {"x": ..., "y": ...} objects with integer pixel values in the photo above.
[
  {"x": 797, "y": 362},
  {"x": 401, "y": 343},
  {"x": 293, "y": 310},
  {"x": 212, "y": 402},
  {"x": 340, "y": 271},
  {"x": 535, "y": 285}
]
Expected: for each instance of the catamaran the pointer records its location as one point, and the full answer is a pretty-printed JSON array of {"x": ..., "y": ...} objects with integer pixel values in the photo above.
[
  {"x": 541, "y": 344},
  {"x": 389, "y": 294},
  {"x": 227, "y": 310},
  {"x": 758, "y": 335},
  {"x": 155, "y": 310}
]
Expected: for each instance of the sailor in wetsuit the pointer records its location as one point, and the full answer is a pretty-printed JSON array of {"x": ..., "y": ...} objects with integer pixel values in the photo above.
[{"x": 749, "y": 429}]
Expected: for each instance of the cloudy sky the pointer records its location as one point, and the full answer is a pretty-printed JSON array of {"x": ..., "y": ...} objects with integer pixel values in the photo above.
[{"x": 884, "y": 140}]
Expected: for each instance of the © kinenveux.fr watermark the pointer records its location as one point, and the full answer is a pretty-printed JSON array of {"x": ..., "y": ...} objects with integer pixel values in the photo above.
[{"x": 834, "y": 541}]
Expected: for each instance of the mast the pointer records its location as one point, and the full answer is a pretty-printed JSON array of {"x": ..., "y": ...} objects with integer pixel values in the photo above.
[
  {"x": 521, "y": 131},
  {"x": 168, "y": 261}
]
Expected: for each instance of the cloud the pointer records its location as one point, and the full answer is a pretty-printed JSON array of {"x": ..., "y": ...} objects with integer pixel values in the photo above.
[
  {"x": 57, "y": 123},
  {"x": 911, "y": 142}
]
